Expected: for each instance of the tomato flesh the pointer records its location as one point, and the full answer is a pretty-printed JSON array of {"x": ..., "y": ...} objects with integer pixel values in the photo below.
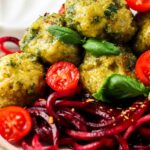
[
  {"x": 15, "y": 123},
  {"x": 62, "y": 77},
  {"x": 143, "y": 68},
  {"x": 139, "y": 5}
]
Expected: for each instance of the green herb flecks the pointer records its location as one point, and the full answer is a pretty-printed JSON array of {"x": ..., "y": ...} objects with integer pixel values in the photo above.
[
  {"x": 31, "y": 89},
  {"x": 96, "y": 19},
  {"x": 12, "y": 63},
  {"x": 120, "y": 87},
  {"x": 27, "y": 39},
  {"x": 71, "y": 10},
  {"x": 111, "y": 10}
]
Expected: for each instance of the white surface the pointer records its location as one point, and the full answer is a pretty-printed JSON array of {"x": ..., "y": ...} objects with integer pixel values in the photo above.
[
  {"x": 17, "y": 15},
  {"x": 6, "y": 146}
]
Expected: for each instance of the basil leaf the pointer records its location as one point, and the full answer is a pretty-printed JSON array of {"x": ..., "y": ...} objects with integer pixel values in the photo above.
[
  {"x": 101, "y": 47},
  {"x": 64, "y": 34},
  {"x": 119, "y": 87}
]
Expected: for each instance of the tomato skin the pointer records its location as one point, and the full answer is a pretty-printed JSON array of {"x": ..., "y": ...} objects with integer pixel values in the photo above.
[
  {"x": 62, "y": 77},
  {"x": 62, "y": 9},
  {"x": 142, "y": 68},
  {"x": 15, "y": 123},
  {"x": 139, "y": 5}
]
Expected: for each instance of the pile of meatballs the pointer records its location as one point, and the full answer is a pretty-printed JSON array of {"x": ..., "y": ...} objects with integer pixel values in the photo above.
[{"x": 22, "y": 75}]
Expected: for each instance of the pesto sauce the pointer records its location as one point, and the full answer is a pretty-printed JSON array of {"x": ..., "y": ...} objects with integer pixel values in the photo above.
[
  {"x": 27, "y": 39},
  {"x": 12, "y": 63},
  {"x": 96, "y": 19},
  {"x": 31, "y": 89},
  {"x": 70, "y": 14},
  {"x": 20, "y": 84},
  {"x": 71, "y": 10},
  {"x": 111, "y": 10}
]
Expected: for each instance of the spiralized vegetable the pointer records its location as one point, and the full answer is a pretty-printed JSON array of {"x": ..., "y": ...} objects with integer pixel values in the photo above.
[
  {"x": 5, "y": 39},
  {"x": 90, "y": 125}
]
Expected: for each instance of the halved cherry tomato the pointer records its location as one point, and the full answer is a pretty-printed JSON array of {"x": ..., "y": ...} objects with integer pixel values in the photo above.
[
  {"x": 62, "y": 77},
  {"x": 143, "y": 68},
  {"x": 62, "y": 9},
  {"x": 15, "y": 123},
  {"x": 139, "y": 5}
]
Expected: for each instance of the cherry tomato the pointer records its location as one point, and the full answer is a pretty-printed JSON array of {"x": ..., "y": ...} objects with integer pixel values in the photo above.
[
  {"x": 62, "y": 9},
  {"x": 15, "y": 123},
  {"x": 143, "y": 68},
  {"x": 139, "y": 5},
  {"x": 62, "y": 77}
]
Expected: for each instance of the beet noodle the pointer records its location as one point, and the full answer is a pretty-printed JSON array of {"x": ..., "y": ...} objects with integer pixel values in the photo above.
[
  {"x": 52, "y": 125},
  {"x": 86, "y": 124},
  {"x": 144, "y": 131},
  {"x": 112, "y": 131},
  {"x": 133, "y": 127},
  {"x": 5, "y": 39},
  {"x": 107, "y": 142},
  {"x": 123, "y": 143}
]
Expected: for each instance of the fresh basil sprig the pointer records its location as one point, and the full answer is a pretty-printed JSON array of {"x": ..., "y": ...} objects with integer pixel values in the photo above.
[
  {"x": 120, "y": 87},
  {"x": 66, "y": 35},
  {"x": 93, "y": 46},
  {"x": 101, "y": 47}
]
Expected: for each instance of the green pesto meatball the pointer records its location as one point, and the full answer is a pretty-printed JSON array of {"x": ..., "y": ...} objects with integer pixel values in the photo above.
[
  {"x": 38, "y": 41},
  {"x": 142, "y": 41},
  {"x": 121, "y": 26},
  {"x": 95, "y": 70},
  {"x": 21, "y": 80},
  {"x": 100, "y": 18}
]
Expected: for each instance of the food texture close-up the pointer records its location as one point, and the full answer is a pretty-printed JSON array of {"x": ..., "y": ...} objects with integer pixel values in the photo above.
[{"x": 78, "y": 79}]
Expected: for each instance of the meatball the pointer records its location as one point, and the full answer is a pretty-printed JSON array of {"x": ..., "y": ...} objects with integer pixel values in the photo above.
[
  {"x": 98, "y": 18},
  {"x": 38, "y": 41},
  {"x": 94, "y": 70},
  {"x": 121, "y": 27},
  {"x": 142, "y": 41},
  {"x": 21, "y": 79}
]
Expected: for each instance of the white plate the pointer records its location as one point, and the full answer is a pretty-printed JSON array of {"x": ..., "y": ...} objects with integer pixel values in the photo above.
[{"x": 17, "y": 15}]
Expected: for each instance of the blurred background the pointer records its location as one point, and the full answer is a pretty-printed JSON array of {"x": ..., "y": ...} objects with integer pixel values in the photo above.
[{"x": 17, "y": 15}]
